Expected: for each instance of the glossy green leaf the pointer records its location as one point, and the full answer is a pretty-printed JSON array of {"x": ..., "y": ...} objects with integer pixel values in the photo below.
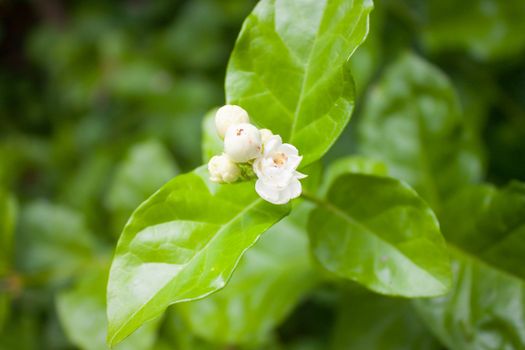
[
  {"x": 368, "y": 321},
  {"x": 183, "y": 243},
  {"x": 412, "y": 122},
  {"x": 484, "y": 310},
  {"x": 53, "y": 242},
  {"x": 212, "y": 144},
  {"x": 487, "y": 29},
  {"x": 378, "y": 232},
  {"x": 269, "y": 282},
  {"x": 147, "y": 167},
  {"x": 288, "y": 69},
  {"x": 352, "y": 165},
  {"x": 490, "y": 225},
  {"x": 82, "y": 313},
  {"x": 314, "y": 177}
]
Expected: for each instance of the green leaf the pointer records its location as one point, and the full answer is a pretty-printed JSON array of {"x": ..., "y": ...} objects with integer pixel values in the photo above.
[
  {"x": 490, "y": 225},
  {"x": 407, "y": 117},
  {"x": 484, "y": 310},
  {"x": 85, "y": 187},
  {"x": 369, "y": 321},
  {"x": 314, "y": 177},
  {"x": 7, "y": 223},
  {"x": 288, "y": 69},
  {"x": 486, "y": 307},
  {"x": 269, "y": 282},
  {"x": 147, "y": 167},
  {"x": 352, "y": 165},
  {"x": 212, "y": 144},
  {"x": 484, "y": 28},
  {"x": 53, "y": 242},
  {"x": 138, "y": 78},
  {"x": 82, "y": 313},
  {"x": 378, "y": 232},
  {"x": 18, "y": 153},
  {"x": 183, "y": 243}
]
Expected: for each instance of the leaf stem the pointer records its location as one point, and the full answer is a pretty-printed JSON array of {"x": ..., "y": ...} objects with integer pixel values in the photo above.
[
  {"x": 321, "y": 202},
  {"x": 310, "y": 197}
]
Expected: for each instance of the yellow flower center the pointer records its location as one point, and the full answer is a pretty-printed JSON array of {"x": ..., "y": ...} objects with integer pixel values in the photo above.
[{"x": 279, "y": 159}]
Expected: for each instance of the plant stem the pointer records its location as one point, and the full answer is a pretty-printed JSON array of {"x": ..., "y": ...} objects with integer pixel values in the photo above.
[
  {"x": 323, "y": 203},
  {"x": 320, "y": 202},
  {"x": 310, "y": 197}
]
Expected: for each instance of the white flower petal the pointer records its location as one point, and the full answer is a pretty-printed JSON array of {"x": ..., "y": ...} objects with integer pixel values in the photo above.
[
  {"x": 267, "y": 193},
  {"x": 278, "y": 181},
  {"x": 293, "y": 162},
  {"x": 258, "y": 166},
  {"x": 278, "y": 177},
  {"x": 273, "y": 143},
  {"x": 289, "y": 150},
  {"x": 299, "y": 175},
  {"x": 295, "y": 188},
  {"x": 284, "y": 196},
  {"x": 278, "y": 184},
  {"x": 265, "y": 135}
]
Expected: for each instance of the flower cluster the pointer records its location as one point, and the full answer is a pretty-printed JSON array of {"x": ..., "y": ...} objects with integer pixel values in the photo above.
[{"x": 250, "y": 152}]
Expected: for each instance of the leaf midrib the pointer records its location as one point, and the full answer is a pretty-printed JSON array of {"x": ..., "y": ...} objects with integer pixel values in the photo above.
[
  {"x": 466, "y": 254},
  {"x": 336, "y": 210},
  {"x": 308, "y": 61},
  {"x": 511, "y": 231},
  {"x": 305, "y": 75},
  {"x": 424, "y": 157},
  {"x": 339, "y": 212},
  {"x": 131, "y": 317}
]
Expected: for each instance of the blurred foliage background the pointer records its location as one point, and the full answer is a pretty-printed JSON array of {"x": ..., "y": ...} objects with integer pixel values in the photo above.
[{"x": 101, "y": 102}]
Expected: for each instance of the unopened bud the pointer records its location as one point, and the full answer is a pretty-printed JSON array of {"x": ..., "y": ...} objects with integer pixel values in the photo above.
[
  {"x": 229, "y": 115},
  {"x": 265, "y": 135},
  {"x": 242, "y": 142},
  {"x": 223, "y": 170}
]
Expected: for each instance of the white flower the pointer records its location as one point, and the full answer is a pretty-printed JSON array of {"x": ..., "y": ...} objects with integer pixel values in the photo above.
[
  {"x": 229, "y": 115},
  {"x": 278, "y": 180},
  {"x": 222, "y": 169},
  {"x": 265, "y": 135},
  {"x": 242, "y": 142}
]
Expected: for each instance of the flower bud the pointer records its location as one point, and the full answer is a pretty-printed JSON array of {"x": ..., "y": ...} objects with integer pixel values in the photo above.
[
  {"x": 242, "y": 142},
  {"x": 223, "y": 170},
  {"x": 227, "y": 116},
  {"x": 265, "y": 135}
]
